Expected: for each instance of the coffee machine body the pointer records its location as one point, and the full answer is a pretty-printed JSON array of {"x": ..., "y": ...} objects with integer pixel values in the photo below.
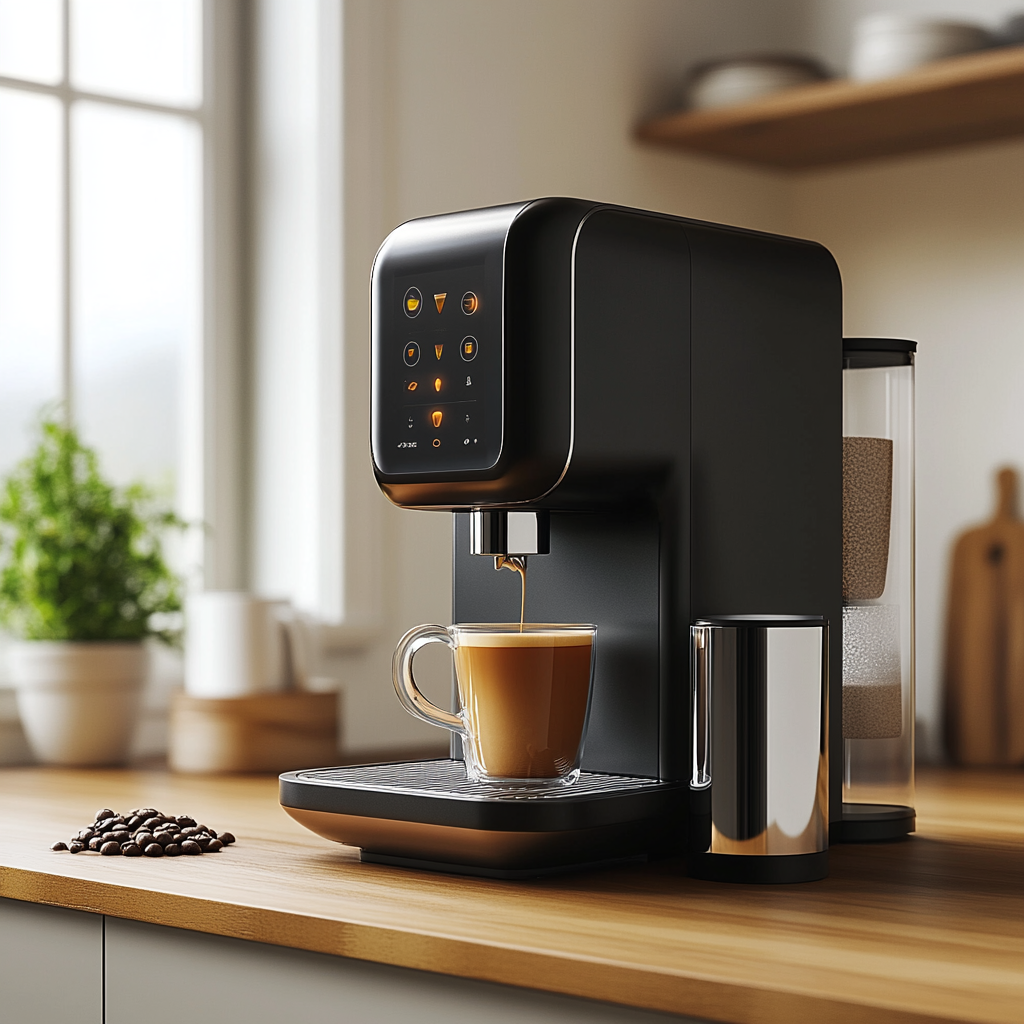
[{"x": 650, "y": 405}]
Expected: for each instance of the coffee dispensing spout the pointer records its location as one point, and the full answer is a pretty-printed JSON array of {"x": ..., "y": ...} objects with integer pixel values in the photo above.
[{"x": 506, "y": 534}]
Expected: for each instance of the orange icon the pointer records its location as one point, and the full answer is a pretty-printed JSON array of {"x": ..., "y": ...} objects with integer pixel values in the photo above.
[
  {"x": 413, "y": 385},
  {"x": 437, "y": 442},
  {"x": 439, "y": 298},
  {"x": 435, "y": 417},
  {"x": 437, "y": 350},
  {"x": 437, "y": 383},
  {"x": 470, "y": 303}
]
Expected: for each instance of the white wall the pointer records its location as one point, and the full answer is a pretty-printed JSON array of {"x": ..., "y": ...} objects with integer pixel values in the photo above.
[{"x": 464, "y": 103}]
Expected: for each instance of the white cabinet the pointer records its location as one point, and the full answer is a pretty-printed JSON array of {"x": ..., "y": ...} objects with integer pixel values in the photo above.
[
  {"x": 51, "y": 965},
  {"x": 63, "y": 965}
]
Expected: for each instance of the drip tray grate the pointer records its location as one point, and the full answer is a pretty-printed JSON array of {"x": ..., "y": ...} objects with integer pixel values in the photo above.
[{"x": 446, "y": 778}]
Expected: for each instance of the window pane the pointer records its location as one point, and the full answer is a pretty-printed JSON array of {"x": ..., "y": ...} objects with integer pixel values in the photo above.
[
  {"x": 138, "y": 49},
  {"x": 30, "y": 265},
  {"x": 136, "y": 272},
  {"x": 31, "y": 39}
]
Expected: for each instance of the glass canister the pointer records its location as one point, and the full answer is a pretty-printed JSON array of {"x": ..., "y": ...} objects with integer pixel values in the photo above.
[{"x": 878, "y": 588}]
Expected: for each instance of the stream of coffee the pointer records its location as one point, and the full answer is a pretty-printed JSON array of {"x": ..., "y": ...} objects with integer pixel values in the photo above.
[{"x": 516, "y": 565}]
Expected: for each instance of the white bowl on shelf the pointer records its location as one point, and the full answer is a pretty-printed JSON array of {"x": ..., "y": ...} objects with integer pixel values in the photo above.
[
  {"x": 885, "y": 45},
  {"x": 725, "y": 83}
]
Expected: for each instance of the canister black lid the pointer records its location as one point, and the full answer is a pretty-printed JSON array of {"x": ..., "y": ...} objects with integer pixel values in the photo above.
[
  {"x": 760, "y": 621},
  {"x": 863, "y": 353}
]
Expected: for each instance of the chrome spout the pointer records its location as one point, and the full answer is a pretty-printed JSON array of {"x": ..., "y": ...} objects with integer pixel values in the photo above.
[{"x": 501, "y": 532}]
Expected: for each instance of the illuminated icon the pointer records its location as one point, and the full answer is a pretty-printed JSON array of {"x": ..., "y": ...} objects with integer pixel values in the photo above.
[
  {"x": 435, "y": 417},
  {"x": 439, "y": 298},
  {"x": 413, "y": 302},
  {"x": 466, "y": 441},
  {"x": 437, "y": 383},
  {"x": 467, "y": 417},
  {"x": 470, "y": 303},
  {"x": 437, "y": 350},
  {"x": 413, "y": 385},
  {"x": 411, "y": 355},
  {"x": 469, "y": 382},
  {"x": 468, "y": 349},
  {"x": 437, "y": 442}
]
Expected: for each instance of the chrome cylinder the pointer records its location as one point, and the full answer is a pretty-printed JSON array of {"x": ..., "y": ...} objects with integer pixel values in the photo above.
[{"x": 760, "y": 735}]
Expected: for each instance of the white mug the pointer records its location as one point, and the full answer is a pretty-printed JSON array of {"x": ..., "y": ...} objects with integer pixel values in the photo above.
[{"x": 237, "y": 645}]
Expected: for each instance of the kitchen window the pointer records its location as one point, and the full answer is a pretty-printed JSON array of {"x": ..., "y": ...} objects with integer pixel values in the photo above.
[{"x": 118, "y": 287}]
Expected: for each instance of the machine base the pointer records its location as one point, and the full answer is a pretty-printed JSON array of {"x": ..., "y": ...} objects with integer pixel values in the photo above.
[
  {"x": 771, "y": 870},
  {"x": 872, "y": 823},
  {"x": 427, "y": 814}
]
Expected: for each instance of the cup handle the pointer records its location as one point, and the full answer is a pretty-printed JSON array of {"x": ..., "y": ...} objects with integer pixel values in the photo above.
[{"x": 405, "y": 686}]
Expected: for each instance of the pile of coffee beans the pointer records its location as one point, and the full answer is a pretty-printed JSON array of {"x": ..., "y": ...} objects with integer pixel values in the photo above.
[{"x": 145, "y": 832}]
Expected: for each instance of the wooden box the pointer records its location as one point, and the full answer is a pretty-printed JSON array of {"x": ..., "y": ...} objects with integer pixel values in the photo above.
[{"x": 269, "y": 732}]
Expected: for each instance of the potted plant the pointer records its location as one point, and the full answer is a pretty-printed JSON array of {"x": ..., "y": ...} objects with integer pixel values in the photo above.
[{"x": 83, "y": 583}]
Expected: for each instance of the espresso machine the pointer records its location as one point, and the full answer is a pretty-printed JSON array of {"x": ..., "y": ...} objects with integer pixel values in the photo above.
[{"x": 649, "y": 410}]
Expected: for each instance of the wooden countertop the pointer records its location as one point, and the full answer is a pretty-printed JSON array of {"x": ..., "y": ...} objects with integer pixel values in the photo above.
[{"x": 931, "y": 929}]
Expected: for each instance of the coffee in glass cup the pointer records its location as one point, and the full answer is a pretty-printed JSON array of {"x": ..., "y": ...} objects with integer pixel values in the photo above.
[{"x": 524, "y": 696}]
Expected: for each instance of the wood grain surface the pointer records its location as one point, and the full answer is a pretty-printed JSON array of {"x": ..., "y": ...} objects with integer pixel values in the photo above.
[
  {"x": 965, "y": 99},
  {"x": 984, "y": 672},
  {"x": 930, "y": 929}
]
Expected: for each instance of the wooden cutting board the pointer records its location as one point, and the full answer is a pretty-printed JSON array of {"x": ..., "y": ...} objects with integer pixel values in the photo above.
[{"x": 984, "y": 671}]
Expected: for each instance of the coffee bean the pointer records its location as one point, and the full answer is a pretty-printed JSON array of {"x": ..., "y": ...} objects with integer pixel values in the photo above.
[{"x": 144, "y": 830}]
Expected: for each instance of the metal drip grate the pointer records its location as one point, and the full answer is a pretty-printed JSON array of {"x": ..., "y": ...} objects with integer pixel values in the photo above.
[{"x": 447, "y": 778}]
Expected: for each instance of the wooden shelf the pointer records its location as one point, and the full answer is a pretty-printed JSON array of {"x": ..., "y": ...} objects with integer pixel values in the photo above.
[{"x": 974, "y": 98}]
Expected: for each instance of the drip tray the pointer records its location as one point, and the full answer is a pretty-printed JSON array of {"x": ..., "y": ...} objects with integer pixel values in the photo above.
[{"x": 428, "y": 813}]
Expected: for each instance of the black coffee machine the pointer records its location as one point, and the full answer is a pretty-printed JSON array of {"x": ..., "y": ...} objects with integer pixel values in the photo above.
[{"x": 649, "y": 409}]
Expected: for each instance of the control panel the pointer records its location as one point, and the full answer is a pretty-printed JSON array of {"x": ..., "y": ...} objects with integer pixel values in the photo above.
[{"x": 437, "y": 402}]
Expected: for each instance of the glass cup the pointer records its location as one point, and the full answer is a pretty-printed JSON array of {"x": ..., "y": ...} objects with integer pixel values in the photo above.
[{"x": 524, "y": 696}]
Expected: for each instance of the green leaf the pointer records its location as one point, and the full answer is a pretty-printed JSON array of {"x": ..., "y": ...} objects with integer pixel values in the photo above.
[{"x": 81, "y": 559}]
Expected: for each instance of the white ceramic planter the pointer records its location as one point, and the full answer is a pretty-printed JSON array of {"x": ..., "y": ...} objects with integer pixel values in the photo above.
[{"x": 79, "y": 702}]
